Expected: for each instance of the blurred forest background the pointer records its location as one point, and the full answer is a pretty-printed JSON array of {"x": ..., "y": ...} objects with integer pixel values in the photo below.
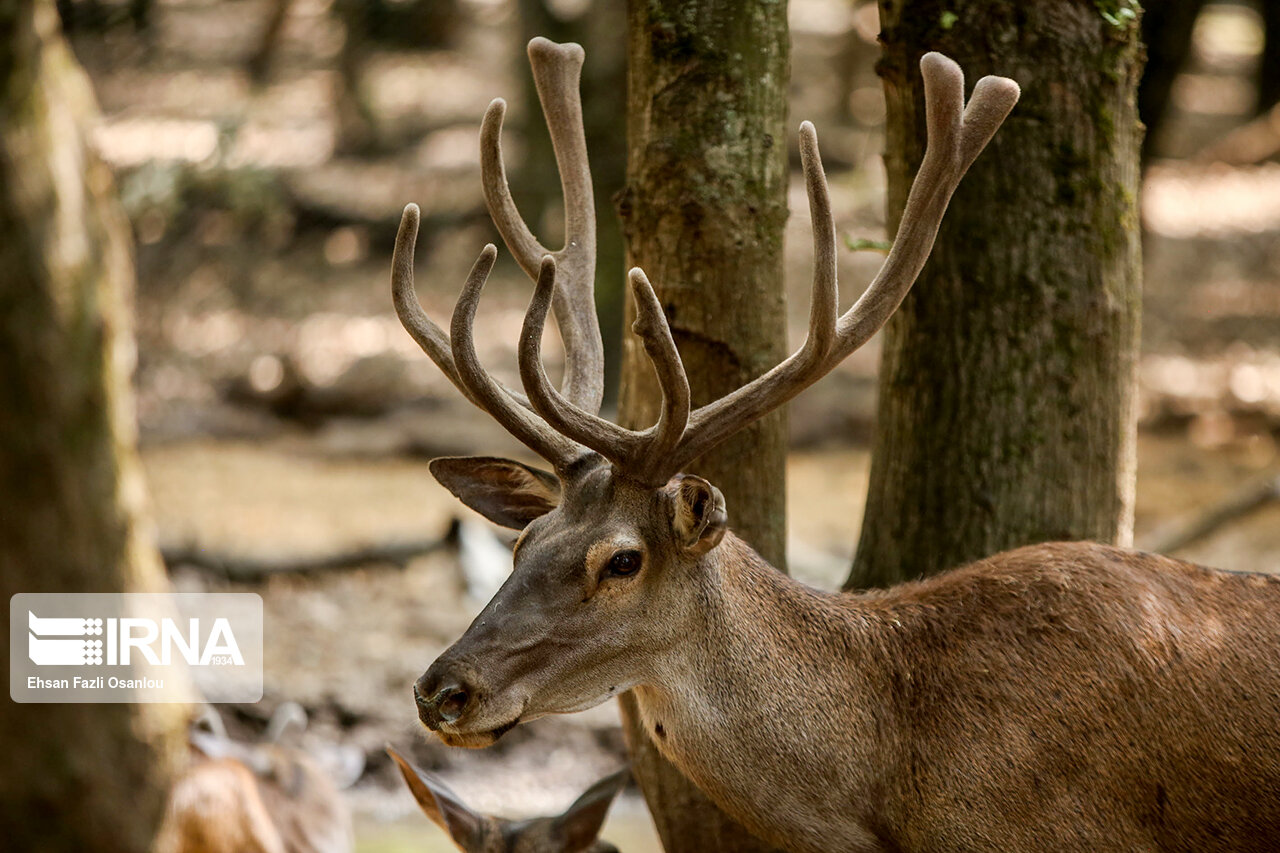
[{"x": 263, "y": 150}]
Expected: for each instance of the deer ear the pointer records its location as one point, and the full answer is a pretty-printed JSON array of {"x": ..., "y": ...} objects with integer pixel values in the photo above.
[
  {"x": 580, "y": 824},
  {"x": 700, "y": 517},
  {"x": 441, "y": 805},
  {"x": 502, "y": 490}
]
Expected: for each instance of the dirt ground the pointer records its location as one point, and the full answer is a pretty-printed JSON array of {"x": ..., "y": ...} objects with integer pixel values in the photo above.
[{"x": 286, "y": 416}]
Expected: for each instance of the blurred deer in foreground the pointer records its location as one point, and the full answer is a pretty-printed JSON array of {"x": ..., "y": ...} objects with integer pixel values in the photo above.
[
  {"x": 1069, "y": 696},
  {"x": 254, "y": 798},
  {"x": 574, "y": 831}
]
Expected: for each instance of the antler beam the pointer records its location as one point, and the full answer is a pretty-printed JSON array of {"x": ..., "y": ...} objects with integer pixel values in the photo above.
[{"x": 457, "y": 358}]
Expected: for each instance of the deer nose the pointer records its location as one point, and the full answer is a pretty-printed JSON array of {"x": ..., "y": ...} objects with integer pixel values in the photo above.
[{"x": 441, "y": 700}]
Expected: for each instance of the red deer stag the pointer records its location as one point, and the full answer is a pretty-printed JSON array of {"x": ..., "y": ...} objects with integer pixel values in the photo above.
[
  {"x": 1069, "y": 696},
  {"x": 574, "y": 831}
]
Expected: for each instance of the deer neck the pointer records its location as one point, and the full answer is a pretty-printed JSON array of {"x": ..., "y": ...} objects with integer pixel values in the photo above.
[{"x": 779, "y": 693}]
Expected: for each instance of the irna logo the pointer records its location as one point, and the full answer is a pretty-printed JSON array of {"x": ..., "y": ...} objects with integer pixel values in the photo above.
[
  {"x": 135, "y": 647},
  {"x": 123, "y": 641}
]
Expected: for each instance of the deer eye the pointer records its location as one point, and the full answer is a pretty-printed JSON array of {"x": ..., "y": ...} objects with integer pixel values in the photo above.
[{"x": 624, "y": 563}]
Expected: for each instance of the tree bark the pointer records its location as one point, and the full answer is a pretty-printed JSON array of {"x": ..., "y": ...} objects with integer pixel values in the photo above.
[
  {"x": 78, "y": 777},
  {"x": 703, "y": 214},
  {"x": 1006, "y": 411}
]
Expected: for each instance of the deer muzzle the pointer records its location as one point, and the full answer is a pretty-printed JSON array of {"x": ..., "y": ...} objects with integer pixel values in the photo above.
[
  {"x": 445, "y": 704},
  {"x": 442, "y": 698},
  {"x": 454, "y": 703}
]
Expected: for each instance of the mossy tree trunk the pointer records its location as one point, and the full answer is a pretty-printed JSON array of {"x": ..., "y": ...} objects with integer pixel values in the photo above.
[
  {"x": 703, "y": 214},
  {"x": 77, "y": 777},
  {"x": 1006, "y": 411}
]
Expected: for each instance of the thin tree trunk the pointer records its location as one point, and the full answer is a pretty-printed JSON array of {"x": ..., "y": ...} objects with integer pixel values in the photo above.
[
  {"x": 262, "y": 62},
  {"x": 703, "y": 214},
  {"x": 356, "y": 131},
  {"x": 1006, "y": 410},
  {"x": 1167, "y": 26},
  {"x": 1269, "y": 62},
  {"x": 77, "y": 777}
]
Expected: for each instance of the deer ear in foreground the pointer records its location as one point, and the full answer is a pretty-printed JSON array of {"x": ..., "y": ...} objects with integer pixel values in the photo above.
[
  {"x": 581, "y": 822},
  {"x": 574, "y": 831},
  {"x": 446, "y": 810},
  {"x": 1067, "y": 696},
  {"x": 504, "y": 491},
  {"x": 699, "y": 515}
]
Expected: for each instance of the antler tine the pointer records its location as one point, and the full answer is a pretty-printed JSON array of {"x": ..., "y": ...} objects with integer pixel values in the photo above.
[
  {"x": 992, "y": 100},
  {"x": 609, "y": 440},
  {"x": 428, "y": 335},
  {"x": 825, "y": 301},
  {"x": 556, "y": 448},
  {"x": 556, "y": 70},
  {"x": 958, "y": 145},
  {"x": 818, "y": 344},
  {"x": 654, "y": 331},
  {"x": 638, "y": 454},
  {"x": 433, "y": 341},
  {"x": 955, "y": 138}
]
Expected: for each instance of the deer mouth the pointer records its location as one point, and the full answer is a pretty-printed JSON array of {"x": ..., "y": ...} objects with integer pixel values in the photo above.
[{"x": 475, "y": 740}]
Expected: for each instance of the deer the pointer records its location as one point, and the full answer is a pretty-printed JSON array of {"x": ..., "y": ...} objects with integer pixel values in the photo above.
[
  {"x": 1060, "y": 696},
  {"x": 573, "y": 831},
  {"x": 253, "y": 798}
]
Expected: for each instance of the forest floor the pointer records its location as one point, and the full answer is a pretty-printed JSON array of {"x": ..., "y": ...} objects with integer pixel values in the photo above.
[{"x": 286, "y": 416}]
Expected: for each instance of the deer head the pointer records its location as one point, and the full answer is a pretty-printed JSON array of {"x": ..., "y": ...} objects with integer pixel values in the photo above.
[
  {"x": 574, "y": 831},
  {"x": 615, "y": 540}
]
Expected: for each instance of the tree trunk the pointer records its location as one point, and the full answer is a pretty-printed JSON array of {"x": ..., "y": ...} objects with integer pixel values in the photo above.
[
  {"x": 1269, "y": 63},
  {"x": 354, "y": 119},
  {"x": 78, "y": 777},
  {"x": 1167, "y": 26},
  {"x": 1006, "y": 410},
  {"x": 703, "y": 215}
]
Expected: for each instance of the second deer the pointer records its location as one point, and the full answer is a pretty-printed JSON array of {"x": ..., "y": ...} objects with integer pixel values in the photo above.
[
  {"x": 254, "y": 797},
  {"x": 1068, "y": 696},
  {"x": 574, "y": 831}
]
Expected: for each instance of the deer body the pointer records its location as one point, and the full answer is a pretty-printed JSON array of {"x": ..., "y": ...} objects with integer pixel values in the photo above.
[
  {"x": 254, "y": 798},
  {"x": 1060, "y": 697},
  {"x": 217, "y": 807}
]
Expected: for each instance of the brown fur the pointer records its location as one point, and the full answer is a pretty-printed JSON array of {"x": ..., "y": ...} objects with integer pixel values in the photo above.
[
  {"x": 1059, "y": 697},
  {"x": 1070, "y": 696},
  {"x": 267, "y": 799},
  {"x": 216, "y": 807}
]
